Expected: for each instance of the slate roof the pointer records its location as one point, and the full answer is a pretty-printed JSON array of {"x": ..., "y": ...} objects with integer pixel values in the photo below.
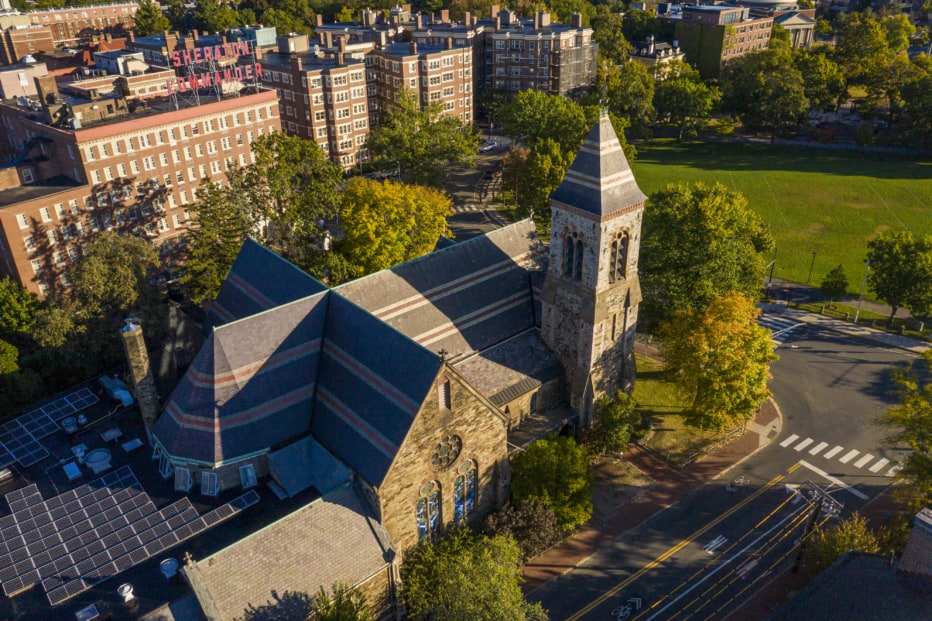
[
  {"x": 259, "y": 280},
  {"x": 599, "y": 181},
  {"x": 306, "y": 463},
  {"x": 917, "y": 557},
  {"x": 372, "y": 383},
  {"x": 332, "y": 539},
  {"x": 249, "y": 388},
  {"x": 461, "y": 299}
]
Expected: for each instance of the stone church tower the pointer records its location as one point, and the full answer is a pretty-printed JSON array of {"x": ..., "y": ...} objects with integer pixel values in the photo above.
[{"x": 591, "y": 292}]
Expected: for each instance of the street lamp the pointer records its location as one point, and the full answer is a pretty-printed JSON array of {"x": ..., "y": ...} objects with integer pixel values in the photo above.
[
  {"x": 811, "y": 265},
  {"x": 863, "y": 284}
]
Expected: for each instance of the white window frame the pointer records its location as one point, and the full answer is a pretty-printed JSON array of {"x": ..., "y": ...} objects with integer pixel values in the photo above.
[{"x": 183, "y": 480}]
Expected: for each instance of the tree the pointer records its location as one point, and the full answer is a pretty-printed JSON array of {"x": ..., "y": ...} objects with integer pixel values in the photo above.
[
  {"x": 533, "y": 116},
  {"x": 531, "y": 524},
  {"x": 638, "y": 25},
  {"x": 112, "y": 276},
  {"x": 616, "y": 422},
  {"x": 862, "y": 50},
  {"x": 901, "y": 270},
  {"x": 828, "y": 545},
  {"x": 779, "y": 37},
  {"x": 823, "y": 79},
  {"x": 607, "y": 31},
  {"x": 463, "y": 575},
  {"x": 909, "y": 423},
  {"x": 897, "y": 29},
  {"x": 342, "y": 604},
  {"x": 214, "y": 16},
  {"x": 18, "y": 307},
  {"x": 555, "y": 471},
  {"x": 685, "y": 102},
  {"x": 698, "y": 242},
  {"x": 213, "y": 241},
  {"x": 765, "y": 90},
  {"x": 422, "y": 142},
  {"x": 628, "y": 91},
  {"x": 9, "y": 358},
  {"x": 544, "y": 171},
  {"x": 149, "y": 19},
  {"x": 387, "y": 223},
  {"x": 916, "y": 114},
  {"x": 563, "y": 10},
  {"x": 835, "y": 284},
  {"x": 720, "y": 358}
]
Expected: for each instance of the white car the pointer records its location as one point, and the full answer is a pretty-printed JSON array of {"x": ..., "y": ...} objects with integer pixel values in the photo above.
[{"x": 488, "y": 147}]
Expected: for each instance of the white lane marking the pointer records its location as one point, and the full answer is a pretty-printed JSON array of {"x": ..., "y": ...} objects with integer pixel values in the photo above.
[
  {"x": 829, "y": 477},
  {"x": 746, "y": 568},
  {"x": 849, "y": 456},
  {"x": 804, "y": 444},
  {"x": 715, "y": 543},
  {"x": 863, "y": 461},
  {"x": 896, "y": 468},
  {"x": 879, "y": 465},
  {"x": 833, "y": 452},
  {"x": 818, "y": 448},
  {"x": 789, "y": 441}
]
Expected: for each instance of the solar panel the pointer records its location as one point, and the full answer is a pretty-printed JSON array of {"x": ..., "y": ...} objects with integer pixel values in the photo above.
[
  {"x": 22, "y": 492},
  {"x": 6, "y": 457}
]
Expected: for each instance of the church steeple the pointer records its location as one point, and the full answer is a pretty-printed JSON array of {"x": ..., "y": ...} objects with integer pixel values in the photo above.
[{"x": 591, "y": 292}]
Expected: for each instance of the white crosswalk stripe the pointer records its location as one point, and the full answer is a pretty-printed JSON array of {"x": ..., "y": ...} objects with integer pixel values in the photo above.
[
  {"x": 818, "y": 448},
  {"x": 789, "y": 441},
  {"x": 833, "y": 452},
  {"x": 803, "y": 444},
  {"x": 864, "y": 461},
  {"x": 780, "y": 327},
  {"x": 879, "y": 465},
  {"x": 849, "y": 456}
]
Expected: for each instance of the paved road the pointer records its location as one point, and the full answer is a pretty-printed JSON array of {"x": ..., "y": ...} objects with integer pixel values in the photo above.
[
  {"x": 714, "y": 549},
  {"x": 473, "y": 212}
]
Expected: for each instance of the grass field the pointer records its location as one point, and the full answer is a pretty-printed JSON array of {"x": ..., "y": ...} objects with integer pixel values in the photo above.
[{"x": 826, "y": 201}]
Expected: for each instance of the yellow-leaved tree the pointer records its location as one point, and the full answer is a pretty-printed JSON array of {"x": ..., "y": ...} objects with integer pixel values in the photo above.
[
  {"x": 720, "y": 358},
  {"x": 386, "y": 223}
]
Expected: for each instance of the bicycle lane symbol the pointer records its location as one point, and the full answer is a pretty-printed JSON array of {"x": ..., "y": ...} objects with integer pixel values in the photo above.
[{"x": 633, "y": 604}]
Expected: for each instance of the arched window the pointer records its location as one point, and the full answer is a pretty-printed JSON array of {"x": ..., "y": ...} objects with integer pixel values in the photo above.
[
  {"x": 464, "y": 491},
  {"x": 427, "y": 512},
  {"x": 579, "y": 248},
  {"x": 613, "y": 259},
  {"x": 620, "y": 262},
  {"x": 568, "y": 257}
]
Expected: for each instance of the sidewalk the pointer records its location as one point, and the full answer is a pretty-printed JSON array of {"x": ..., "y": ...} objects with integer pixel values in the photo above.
[{"x": 670, "y": 485}]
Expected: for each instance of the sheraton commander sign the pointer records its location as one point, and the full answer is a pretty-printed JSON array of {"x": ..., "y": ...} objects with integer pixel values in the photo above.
[{"x": 202, "y": 55}]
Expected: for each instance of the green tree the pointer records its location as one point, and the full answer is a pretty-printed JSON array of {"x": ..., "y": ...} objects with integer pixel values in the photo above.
[
  {"x": 699, "y": 242},
  {"x": 177, "y": 13},
  {"x": 149, "y": 19},
  {"x": 901, "y": 270},
  {"x": 720, "y": 358},
  {"x": 608, "y": 32},
  {"x": 213, "y": 241},
  {"x": 546, "y": 166},
  {"x": 341, "y": 604},
  {"x": 18, "y": 308},
  {"x": 616, "y": 422},
  {"x": 463, "y": 575},
  {"x": 56, "y": 322},
  {"x": 563, "y": 10},
  {"x": 9, "y": 358},
  {"x": 829, "y": 544},
  {"x": 555, "y": 471},
  {"x": 628, "y": 91},
  {"x": 916, "y": 115},
  {"x": 779, "y": 37},
  {"x": 531, "y": 524},
  {"x": 909, "y": 423},
  {"x": 835, "y": 284},
  {"x": 862, "y": 50},
  {"x": 823, "y": 79},
  {"x": 112, "y": 275},
  {"x": 638, "y": 25},
  {"x": 766, "y": 91},
  {"x": 422, "y": 142},
  {"x": 897, "y": 29},
  {"x": 533, "y": 116},
  {"x": 387, "y": 223},
  {"x": 685, "y": 102},
  {"x": 214, "y": 16}
]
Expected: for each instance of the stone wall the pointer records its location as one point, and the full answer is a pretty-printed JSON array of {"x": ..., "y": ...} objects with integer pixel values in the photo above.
[{"x": 482, "y": 431}]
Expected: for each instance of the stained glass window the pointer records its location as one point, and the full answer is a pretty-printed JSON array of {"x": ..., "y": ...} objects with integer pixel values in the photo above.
[
  {"x": 464, "y": 491},
  {"x": 427, "y": 512}
]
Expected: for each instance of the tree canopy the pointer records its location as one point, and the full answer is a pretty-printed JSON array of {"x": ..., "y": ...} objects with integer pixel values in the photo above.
[
  {"x": 698, "y": 242},
  {"x": 835, "y": 284},
  {"x": 18, "y": 307},
  {"x": 422, "y": 142},
  {"x": 682, "y": 99},
  {"x": 909, "y": 423},
  {"x": 901, "y": 270},
  {"x": 720, "y": 358},
  {"x": 555, "y": 471},
  {"x": 386, "y": 223},
  {"x": 829, "y": 544},
  {"x": 616, "y": 421},
  {"x": 149, "y": 19},
  {"x": 463, "y": 575},
  {"x": 342, "y": 603},
  {"x": 533, "y": 116},
  {"x": 113, "y": 274}
]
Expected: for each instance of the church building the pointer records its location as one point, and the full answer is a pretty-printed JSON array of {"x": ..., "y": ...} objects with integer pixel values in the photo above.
[{"x": 397, "y": 397}]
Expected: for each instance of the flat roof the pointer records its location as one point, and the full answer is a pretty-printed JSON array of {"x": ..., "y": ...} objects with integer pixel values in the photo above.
[{"x": 47, "y": 187}]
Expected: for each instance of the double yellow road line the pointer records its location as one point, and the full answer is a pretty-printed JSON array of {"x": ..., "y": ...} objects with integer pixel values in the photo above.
[{"x": 679, "y": 546}]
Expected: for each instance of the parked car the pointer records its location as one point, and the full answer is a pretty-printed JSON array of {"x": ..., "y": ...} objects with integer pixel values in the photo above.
[{"x": 488, "y": 147}]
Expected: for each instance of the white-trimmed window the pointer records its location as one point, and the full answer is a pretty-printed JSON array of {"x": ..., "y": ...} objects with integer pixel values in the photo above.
[
  {"x": 182, "y": 478},
  {"x": 210, "y": 483}
]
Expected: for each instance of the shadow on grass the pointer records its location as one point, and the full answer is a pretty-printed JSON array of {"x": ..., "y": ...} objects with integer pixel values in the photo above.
[{"x": 761, "y": 157}]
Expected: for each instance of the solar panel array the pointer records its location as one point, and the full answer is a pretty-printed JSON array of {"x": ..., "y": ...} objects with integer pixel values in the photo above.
[
  {"x": 20, "y": 439},
  {"x": 87, "y": 535}
]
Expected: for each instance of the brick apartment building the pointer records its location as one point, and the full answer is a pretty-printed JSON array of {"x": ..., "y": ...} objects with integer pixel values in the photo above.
[
  {"x": 710, "y": 36},
  {"x": 19, "y": 40},
  {"x": 78, "y": 166},
  {"x": 79, "y": 23}
]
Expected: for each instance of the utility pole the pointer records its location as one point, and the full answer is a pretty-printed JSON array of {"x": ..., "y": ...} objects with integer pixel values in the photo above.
[
  {"x": 772, "y": 265},
  {"x": 863, "y": 284},
  {"x": 811, "y": 265},
  {"x": 820, "y": 500}
]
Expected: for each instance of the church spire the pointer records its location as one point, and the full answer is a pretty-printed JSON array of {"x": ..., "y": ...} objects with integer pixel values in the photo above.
[{"x": 599, "y": 181}]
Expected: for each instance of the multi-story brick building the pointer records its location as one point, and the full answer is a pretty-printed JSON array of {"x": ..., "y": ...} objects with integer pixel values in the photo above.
[
  {"x": 80, "y": 23},
  {"x": 89, "y": 165},
  {"x": 560, "y": 59},
  {"x": 710, "y": 36},
  {"x": 17, "y": 41},
  {"x": 19, "y": 80}
]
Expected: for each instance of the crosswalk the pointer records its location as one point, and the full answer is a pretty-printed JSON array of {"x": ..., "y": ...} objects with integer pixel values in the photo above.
[
  {"x": 853, "y": 457},
  {"x": 781, "y": 327},
  {"x": 468, "y": 208}
]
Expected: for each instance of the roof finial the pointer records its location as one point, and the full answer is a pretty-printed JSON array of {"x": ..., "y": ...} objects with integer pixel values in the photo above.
[{"x": 443, "y": 355}]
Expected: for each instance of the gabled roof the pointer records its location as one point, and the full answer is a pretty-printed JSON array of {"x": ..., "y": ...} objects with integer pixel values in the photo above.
[
  {"x": 793, "y": 18},
  {"x": 332, "y": 539},
  {"x": 461, "y": 299},
  {"x": 371, "y": 384},
  {"x": 249, "y": 388},
  {"x": 599, "y": 181},
  {"x": 259, "y": 280}
]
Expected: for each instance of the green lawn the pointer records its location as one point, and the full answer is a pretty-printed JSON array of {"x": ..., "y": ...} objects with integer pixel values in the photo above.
[{"x": 814, "y": 200}]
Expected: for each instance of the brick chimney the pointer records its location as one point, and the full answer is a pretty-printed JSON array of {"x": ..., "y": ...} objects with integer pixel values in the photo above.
[
  {"x": 467, "y": 19},
  {"x": 445, "y": 16},
  {"x": 134, "y": 346},
  {"x": 320, "y": 20},
  {"x": 577, "y": 20}
]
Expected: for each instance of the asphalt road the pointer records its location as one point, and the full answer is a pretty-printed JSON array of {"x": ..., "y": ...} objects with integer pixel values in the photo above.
[{"x": 703, "y": 557}]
